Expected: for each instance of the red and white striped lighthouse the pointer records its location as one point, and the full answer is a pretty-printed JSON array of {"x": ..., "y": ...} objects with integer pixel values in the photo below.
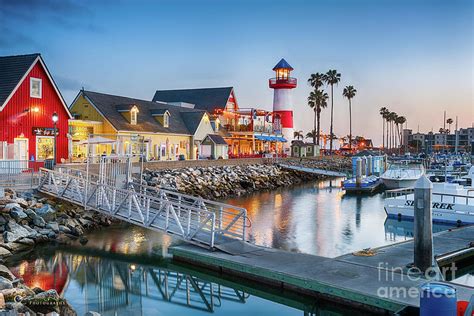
[{"x": 282, "y": 104}]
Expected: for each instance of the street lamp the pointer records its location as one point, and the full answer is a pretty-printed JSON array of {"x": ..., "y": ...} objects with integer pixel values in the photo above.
[{"x": 55, "y": 120}]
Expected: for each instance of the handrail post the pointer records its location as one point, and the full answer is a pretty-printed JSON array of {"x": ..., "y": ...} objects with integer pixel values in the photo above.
[
  {"x": 212, "y": 229},
  {"x": 244, "y": 227}
]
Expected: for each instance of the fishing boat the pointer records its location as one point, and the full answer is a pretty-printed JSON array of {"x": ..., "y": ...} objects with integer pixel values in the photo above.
[
  {"x": 402, "y": 174},
  {"x": 451, "y": 203}
]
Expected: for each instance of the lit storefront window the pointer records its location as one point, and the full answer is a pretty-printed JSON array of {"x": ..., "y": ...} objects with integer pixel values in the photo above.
[{"x": 44, "y": 147}]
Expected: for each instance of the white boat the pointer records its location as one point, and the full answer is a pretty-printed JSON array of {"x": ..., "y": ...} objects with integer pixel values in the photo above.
[
  {"x": 451, "y": 203},
  {"x": 402, "y": 175}
]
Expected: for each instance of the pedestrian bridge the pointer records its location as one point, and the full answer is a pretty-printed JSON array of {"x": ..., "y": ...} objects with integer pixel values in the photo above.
[{"x": 193, "y": 219}]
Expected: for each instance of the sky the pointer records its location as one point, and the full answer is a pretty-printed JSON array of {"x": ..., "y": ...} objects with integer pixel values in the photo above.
[{"x": 415, "y": 57}]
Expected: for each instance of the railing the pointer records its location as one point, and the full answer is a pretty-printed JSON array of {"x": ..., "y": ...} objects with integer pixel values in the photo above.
[
  {"x": 19, "y": 173},
  {"x": 282, "y": 81},
  {"x": 193, "y": 219},
  {"x": 444, "y": 197}
]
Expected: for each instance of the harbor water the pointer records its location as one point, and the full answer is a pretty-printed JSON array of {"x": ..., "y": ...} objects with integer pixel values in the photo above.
[{"x": 124, "y": 269}]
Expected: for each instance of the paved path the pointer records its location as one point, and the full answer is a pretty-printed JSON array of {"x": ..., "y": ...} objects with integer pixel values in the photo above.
[
  {"x": 313, "y": 170},
  {"x": 357, "y": 279}
]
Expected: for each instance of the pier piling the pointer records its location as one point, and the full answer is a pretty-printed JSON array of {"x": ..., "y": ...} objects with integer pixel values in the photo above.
[
  {"x": 423, "y": 232},
  {"x": 358, "y": 172}
]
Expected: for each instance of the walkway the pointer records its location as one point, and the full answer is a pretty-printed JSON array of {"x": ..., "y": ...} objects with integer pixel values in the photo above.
[
  {"x": 193, "y": 219},
  {"x": 313, "y": 170},
  {"x": 379, "y": 281}
]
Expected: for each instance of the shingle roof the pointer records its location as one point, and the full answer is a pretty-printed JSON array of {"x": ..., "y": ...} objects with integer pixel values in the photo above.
[
  {"x": 217, "y": 139},
  {"x": 12, "y": 69},
  {"x": 207, "y": 99},
  {"x": 283, "y": 64},
  {"x": 179, "y": 122}
]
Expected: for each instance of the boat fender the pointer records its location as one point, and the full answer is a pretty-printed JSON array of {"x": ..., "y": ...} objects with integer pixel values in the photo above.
[{"x": 459, "y": 222}]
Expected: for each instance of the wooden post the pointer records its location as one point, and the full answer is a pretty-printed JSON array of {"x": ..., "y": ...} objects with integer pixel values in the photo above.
[
  {"x": 358, "y": 174},
  {"x": 423, "y": 232}
]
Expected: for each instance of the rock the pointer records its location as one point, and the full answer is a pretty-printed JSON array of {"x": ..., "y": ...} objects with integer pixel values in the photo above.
[
  {"x": 26, "y": 241},
  {"x": 5, "y": 283},
  {"x": 15, "y": 247},
  {"x": 39, "y": 221},
  {"x": 92, "y": 313},
  {"x": 31, "y": 214},
  {"x": 47, "y": 294},
  {"x": 11, "y": 206},
  {"x": 22, "y": 202},
  {"x": 83, "y": 240},
  {"x": 47, "y": 213},
  {"x": 18, "y": 214},
  {"x": 2, "y": 301},
  {"x": 64, "y": 229},
  {"x": 4, "y": 252},
  {"x": 54, "y": 226},
  {"x": 6, "y": 273},
  {"x": 14, "y": 232}
]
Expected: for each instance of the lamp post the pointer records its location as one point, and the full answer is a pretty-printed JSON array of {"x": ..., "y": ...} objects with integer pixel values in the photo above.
[{"x": 55, "y": 120}]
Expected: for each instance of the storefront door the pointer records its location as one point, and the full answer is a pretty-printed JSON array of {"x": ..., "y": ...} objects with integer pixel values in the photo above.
[{"x": 21, "y": 148}]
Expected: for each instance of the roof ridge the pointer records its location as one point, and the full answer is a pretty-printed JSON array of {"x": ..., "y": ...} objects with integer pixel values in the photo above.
[
  {"x": 21, "y": 55},
  {"x": 209, "y": 88}
]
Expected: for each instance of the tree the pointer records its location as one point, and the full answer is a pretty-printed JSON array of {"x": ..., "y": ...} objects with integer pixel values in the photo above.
[
  {"x": 449, "y": 121},
  {"x": 331, "y": 78},
  {"x": 312, "y": 102},
  {"x": 298, "y": 134},
  {"x": 316, "y": 81},
  {"x": 383, "y": 112},
  {"x": 393, "y": 117},
  {"x": 400, "y": 120},
  {"x": 320, "y": 99},
  {"x": 311, "y": 134},
  {"x": 349, "y": 92}
]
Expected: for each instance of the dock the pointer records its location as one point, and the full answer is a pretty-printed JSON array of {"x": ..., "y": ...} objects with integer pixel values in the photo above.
[
  {"x": 318, "y": 171},
  {"x": 349, "y": 280}
]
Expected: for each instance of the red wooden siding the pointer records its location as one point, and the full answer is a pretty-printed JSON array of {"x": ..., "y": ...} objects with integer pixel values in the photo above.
[{"x": 18, "y": 117}]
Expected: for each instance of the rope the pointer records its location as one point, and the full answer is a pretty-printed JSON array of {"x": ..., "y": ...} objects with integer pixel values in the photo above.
[{"x": 367, "y": 252}]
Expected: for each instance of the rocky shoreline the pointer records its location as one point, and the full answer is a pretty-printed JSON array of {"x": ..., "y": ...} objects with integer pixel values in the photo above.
[
  {"x": 28, "y": 219},
  {"x": 225, "y": 181}
]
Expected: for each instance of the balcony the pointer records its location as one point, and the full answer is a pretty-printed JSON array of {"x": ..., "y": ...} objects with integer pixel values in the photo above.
[{"x": 288, "y": 83}]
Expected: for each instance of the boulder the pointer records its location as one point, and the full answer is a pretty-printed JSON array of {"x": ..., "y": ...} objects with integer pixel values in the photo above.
[
  {"x": 54, "y": 226},
  {"x": 47, "y": 213},
  {"x": 64, "y": 229},
  {"x": 5, "y": 283},
  {"x": 4, "y": 252},
  {"x": 39, "y": 221},
  {"x": 6, "y": 273},
  {"x": 18, "y": 214},
  {"x": 14, "y": 232},
  {"x": 12, "y": 206},
  {"x": 22, "y": 202}
]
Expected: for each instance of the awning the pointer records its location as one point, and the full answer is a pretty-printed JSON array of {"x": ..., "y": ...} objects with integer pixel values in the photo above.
[
  {"x": 97, "y": 140},
  {"x": 281, "y": 139}
]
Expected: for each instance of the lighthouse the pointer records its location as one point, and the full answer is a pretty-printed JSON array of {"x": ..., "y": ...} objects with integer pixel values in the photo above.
[{"x": 282, "y": 104}]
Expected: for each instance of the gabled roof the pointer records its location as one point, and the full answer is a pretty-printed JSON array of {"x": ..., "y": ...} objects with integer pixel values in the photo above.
[
  {"x": 207, "y": 99},
  {"x": 282, "y": 64},
  {"x": 107, "y": 106},
  {"x": 217, "y": 139},
  {"x": 14, "y": 69}
]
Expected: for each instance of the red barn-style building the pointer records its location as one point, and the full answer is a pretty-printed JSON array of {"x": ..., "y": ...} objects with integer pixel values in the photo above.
[{"x": 28, "y": 99}]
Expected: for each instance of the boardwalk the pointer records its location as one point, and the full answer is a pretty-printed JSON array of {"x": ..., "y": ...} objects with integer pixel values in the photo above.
[
  {"x": 318, "y": 171},
  {"x": 349, "y": 278},
  {"x": 195, "y": 220}
]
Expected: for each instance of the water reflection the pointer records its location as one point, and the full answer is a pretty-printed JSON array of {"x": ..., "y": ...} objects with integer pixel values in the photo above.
[
  {"x": 318, "y": 218},
  {"x": 114, "y": 286}
]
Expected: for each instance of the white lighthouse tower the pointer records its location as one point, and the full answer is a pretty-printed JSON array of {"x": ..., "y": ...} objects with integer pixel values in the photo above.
[{"x": 282, "y": 103}]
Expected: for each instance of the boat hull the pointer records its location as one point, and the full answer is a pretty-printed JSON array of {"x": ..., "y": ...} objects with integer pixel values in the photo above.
[
  {"x": 441, "y": 212},
  {"x": 398, "y": 183}
]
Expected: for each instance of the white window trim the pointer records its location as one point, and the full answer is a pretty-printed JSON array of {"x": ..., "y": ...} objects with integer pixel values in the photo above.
[
  {"x": 166, "y": 120},
  {"x": 133, "y": 116},
  {"x": 40, "y": 88}
]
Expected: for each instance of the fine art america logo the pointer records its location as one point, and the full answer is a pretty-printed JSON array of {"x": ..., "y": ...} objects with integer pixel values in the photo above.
[{"x": 397, "y": 275}]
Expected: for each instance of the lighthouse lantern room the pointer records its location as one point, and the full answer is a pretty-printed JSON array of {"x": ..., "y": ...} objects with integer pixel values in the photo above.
[{"x": 282, "y": 103}]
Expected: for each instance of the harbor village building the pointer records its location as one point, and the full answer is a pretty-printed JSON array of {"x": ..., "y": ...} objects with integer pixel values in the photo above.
[
  {"x": 33, "y": 114},
  {"x": 247, "y": 131},
  {"x": 169, "y": 132}
]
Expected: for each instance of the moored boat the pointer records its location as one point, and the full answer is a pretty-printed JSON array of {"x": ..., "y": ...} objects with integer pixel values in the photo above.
[
  {"x": 451, "y": 203},
  {"x": 402, "y": 175}
]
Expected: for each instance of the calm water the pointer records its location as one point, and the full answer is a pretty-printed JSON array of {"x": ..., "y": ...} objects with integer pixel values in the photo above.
[{"x": 121, "y": 271}]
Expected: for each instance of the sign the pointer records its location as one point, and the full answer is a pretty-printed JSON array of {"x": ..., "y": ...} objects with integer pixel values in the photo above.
[{"x": 45, "y": 131}]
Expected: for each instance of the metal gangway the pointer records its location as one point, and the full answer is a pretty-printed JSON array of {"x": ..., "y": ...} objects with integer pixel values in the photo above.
[{"x": 193, "y": 219}]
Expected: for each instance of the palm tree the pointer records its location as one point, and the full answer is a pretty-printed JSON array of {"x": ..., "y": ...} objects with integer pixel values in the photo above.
[
  {"x": 311, "y": 134},
  {"x": 349, "y": 92},
  {"x": 316, "y": 80},
  {"x": 332, "y": 77},
  {"x": 393, "y": 118},
  {"x": 383, "y": 112},
  {"x": 400, "y": 121},
  {"x": 449, "y": 121},
  {"x": 321, "y": 98},
  {"x": 312, "y": 102},
  {"x": 298, "y": 134}
]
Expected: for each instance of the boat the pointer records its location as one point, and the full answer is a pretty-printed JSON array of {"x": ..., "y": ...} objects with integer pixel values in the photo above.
[
  {"x": 368, "y": 184},
  {"x": 402, "y": 174},
  {"x": 451, "y": 203}
]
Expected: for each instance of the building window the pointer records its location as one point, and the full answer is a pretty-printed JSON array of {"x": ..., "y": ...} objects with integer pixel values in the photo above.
[
  {"x": 35, "y": 88},
  {"x": 133, "y": 115},
  {"x": 44, "y": 147},
  {"x": 166, "y": 120}
]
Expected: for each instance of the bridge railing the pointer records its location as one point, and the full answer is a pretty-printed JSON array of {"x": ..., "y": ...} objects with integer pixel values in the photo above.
[
  {"x": 231, "y": 221},
  {"x": 191, "y": 218}
]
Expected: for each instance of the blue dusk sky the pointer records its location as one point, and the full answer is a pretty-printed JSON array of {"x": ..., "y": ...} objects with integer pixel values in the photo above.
[{"x": 413, "y": 56}]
